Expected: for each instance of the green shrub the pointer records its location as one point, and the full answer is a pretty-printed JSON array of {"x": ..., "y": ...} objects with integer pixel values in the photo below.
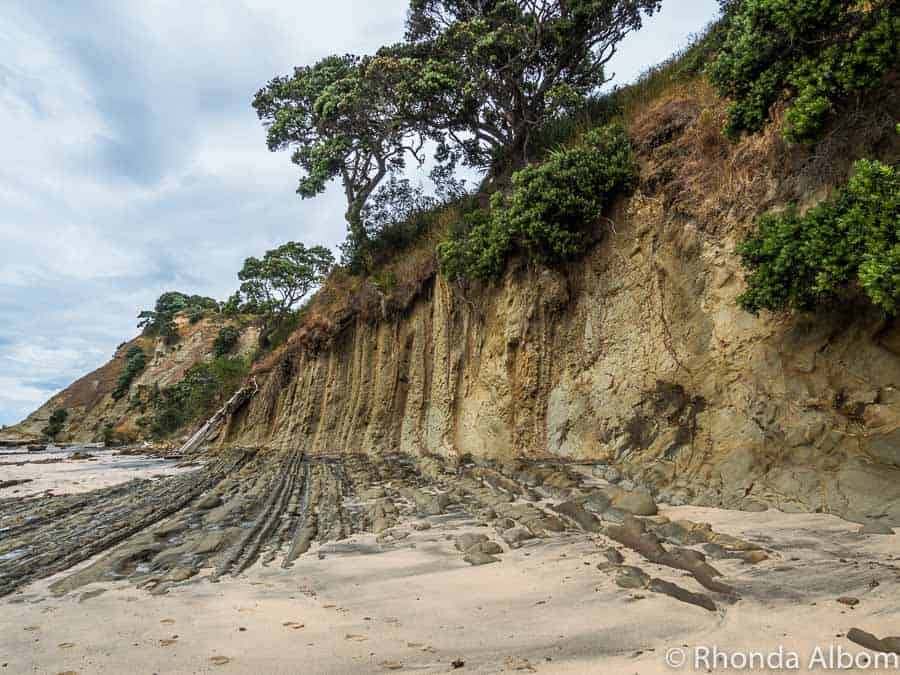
[
  {"x": 135, "y": 361},
  {"x": 799, "y": 262},
  {"x": 55, "y": 424},
  {"x": 812, "y": 53},
  {"x": 548, "y": 210},
  {"x": 160, "y": 321},
  {"x": 203, "y": 388},
  {"x": 226, "y": 341}
]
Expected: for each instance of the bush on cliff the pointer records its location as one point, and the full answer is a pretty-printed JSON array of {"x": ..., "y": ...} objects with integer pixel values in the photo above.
[
  {"x": 135, "y": 362},
  {"x": 55, "y": 424},
  {"x": 226, "y": 341},
  {"x": 802, "y": 261},
  {"x": 812, "y": 53},
  {"x": 548, "y": 209},
  {"x": 203, "y": 388}
]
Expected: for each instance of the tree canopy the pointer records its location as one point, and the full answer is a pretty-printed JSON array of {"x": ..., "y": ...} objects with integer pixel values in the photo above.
[
  {"x": 491, "y": 72},
  {"x": 343, "y": 124},
  {"x": 273, "y": 285},
  {"x": 477, "y": 77}
]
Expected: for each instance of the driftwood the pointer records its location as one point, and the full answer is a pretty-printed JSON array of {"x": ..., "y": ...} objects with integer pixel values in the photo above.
[{"x": 242, "y": 395}]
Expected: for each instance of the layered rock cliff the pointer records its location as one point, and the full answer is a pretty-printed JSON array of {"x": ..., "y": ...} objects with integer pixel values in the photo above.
[{"x": 637, "y": 355}]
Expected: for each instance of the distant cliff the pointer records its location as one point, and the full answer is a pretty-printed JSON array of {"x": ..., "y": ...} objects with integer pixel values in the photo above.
[{"x": 89, "y": 401}]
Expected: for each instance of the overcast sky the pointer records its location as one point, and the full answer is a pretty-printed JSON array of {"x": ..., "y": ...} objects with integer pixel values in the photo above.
[{"x": 133, "y": 163}]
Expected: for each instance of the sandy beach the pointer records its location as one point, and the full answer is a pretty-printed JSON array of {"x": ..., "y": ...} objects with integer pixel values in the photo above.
[{"x": 408, "y": 600}]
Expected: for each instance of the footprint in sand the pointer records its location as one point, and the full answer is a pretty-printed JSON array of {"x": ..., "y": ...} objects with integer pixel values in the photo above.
[
  {"x": 66, "y": 645},
  {"x": 355, "y": 638},
  {"x": 296, "y": 625},
  {"x": 391, "y": 665},
  {"x": 69, "y": 672},
  {"x": 219, "y": 660},
  {"x": 168, "y": 642},
  {"x": 32, "y": 628},
  {"x": 167, "y": 622}
]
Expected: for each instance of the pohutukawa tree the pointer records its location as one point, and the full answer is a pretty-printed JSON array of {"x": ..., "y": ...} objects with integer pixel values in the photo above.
[
  {"x": 491, "y": 72},
  {"x": 343, "y": 124},
  {"x": 272, "y": 286}
]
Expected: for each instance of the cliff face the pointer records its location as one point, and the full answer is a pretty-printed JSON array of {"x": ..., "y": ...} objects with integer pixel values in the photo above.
[
  {"x": 635, "y": 356},
  {"x": 89, "y": 400}
]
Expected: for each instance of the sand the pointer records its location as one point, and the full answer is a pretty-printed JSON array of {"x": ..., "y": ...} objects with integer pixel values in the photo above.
[
  {"x": 51, "y": 470},
  {"x": 359, "y": 606}
]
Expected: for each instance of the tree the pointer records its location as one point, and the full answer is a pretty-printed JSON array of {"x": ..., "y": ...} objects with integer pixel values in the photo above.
[
  {"x": 161, "y": 319},
  {"x": 488, "y": 73},
  {"x": 273, "y": 285},
  {"x": 55, "y": 424},
  {"x": 343, "y": 124}
]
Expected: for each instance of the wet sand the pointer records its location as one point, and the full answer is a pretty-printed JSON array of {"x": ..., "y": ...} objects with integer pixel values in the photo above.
[{"x": 51, "y": 470}]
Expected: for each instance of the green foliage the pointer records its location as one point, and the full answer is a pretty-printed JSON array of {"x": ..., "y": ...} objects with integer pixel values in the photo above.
[
  {"x": 343, "y": 124},
  {"x": 161, "y": 319},
  {"x": 812, "y": 53},
  {"x": 135, "y": 361},
  {"x": 204, "y": 387},
  {"x": 55, "y": 424},
  {"x": 548, "y": 210},
  {"x": 226, "y": 341},
  {"x": 272, "y": 286},
  {"x": 398, "y": 214},
  {"x": 232, "y": 306},
  {"x": 485, "y": 75},
  {"x": 800, "y": 262},
  {"x": 564, "y": 129}
]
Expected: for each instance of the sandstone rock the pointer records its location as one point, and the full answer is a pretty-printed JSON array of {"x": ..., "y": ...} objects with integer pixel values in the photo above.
[
  {"x": 514, "y": 536},
  {"x": 596, "y": 501},
  {"x": 469, "y": 539},
  {"x": 373, "y": 493},
  {"x": 551, "y": 524},
  {"x": 488, "y": 547},
  {"x": 613, "y": 475},
  {"x": 479, "y": 558},
  {"x": 586, "y": 521},
  {"x": 632, "y": 577},
  {"x": 869, "y": 641},
  {"x": 682, "y": 594},
  {"x": 613, "y": 556},
  {"x": 210, "y": 501},
  {"x": 638, "y": 503}
]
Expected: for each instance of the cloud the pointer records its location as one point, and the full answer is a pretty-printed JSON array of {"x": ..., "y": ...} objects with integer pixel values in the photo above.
[{"x": 134, "y": 163}]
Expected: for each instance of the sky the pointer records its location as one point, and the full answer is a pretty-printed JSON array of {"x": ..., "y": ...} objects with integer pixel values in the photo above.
[{"x": 133, "y": 163}]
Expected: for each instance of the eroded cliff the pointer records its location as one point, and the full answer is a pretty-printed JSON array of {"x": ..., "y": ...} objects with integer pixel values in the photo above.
[{"x": 636, "y": 356}]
